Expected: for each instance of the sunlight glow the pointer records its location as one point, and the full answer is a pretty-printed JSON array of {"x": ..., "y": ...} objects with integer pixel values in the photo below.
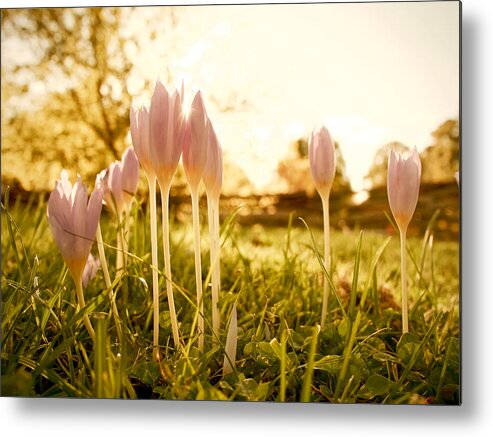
[
  {"x": 367, "y": 91},
  {"x": 361, "y": 134},
  {"x": 194, "y": 54}
]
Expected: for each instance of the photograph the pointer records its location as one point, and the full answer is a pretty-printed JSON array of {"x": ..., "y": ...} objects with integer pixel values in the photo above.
[{"x": 243, "y": 202}]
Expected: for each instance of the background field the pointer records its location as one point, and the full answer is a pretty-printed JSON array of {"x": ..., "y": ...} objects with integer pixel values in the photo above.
[{"x": 274, "y": 277}]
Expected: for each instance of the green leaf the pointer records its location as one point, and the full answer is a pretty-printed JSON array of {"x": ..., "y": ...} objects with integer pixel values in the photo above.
[
  {"x": 329, "y": 363},
  {"x": 262, "y": 391},
  {"x": 407, "y": 346},
  {"x": 266, "y": 351},
  {"x": 376, "y": 385},
  {"x": 342, "y": 328},
  {"x": 276, "y": 348},
  {"x": 148, "y": 372},
  {"x": 248, "y": 387},
  {"x": 210, "y": 393}
]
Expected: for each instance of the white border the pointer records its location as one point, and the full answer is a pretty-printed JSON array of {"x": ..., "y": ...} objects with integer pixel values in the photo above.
[{"x": 121, "y": 418}]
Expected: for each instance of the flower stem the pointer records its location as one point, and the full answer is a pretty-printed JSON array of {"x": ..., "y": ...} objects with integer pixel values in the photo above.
[
  {"x": 154, "y": 260},
  {"x": 119, "y": 245},
  {"x": 325, "y": 302},
  {"x": 82, "y": 303},
  {"x": 213, "y": 215},
  {"x": 405, "y": 322},
  {"x": 167, "y": 263},
  {"x": 100, "y": 374},
  {"x": 126, "y": 235},
  {"x": 198, "y": 266},
  {"x": 107, "y": 280},
  {"x": 102, "y": 257},
  {"x": 217, "y": 264}
]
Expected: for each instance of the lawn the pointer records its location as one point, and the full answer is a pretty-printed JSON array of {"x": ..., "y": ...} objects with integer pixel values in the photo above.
[{"x": 275, "y": 277}]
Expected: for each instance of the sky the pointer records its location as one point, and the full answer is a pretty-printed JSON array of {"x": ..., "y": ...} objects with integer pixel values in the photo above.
[{"x": 371, "y": 72}]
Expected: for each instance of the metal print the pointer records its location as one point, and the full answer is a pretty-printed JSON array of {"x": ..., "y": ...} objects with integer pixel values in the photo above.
[{"x": 236, "y": 202}]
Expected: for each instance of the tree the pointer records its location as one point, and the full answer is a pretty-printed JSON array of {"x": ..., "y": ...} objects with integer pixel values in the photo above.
[
  {"x": 295, "y": 170},
  {"x": 440, "y": 161},
  {"x": 81, "y": 59},
  {"x": 67, "y": 79},
  {"x": 82, "y": 50},
  {"x": 37, "y": 145}
]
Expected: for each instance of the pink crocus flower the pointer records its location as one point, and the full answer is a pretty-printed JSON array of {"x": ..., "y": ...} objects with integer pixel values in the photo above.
[
  {"x": 321, "y": 152},
  {"x": 130, "y": 175},
  {"x": 120, "y": 181},
  {"x": 196, "y": 142},
  {"x": 213, "y": 177},
  {"x": 403, "y": 179},
  {"x": 73, "y": 221},
  {"x": 213, "y": 170},
  {"x": 166, "y": 130},
  {"x": 166, "y": 135},
  {"x": 139, "y": 130},
  {"x": 195, "y": 145}
]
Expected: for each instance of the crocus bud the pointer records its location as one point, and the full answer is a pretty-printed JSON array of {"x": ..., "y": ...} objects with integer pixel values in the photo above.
[
  {"x": 213, "y": 171},
  {"x": 119, "y": 181},
  {"x": 196, "y": 142},
  {"x": 139, "y": 129},
  {"x": 89, "y": 273},
  {"x": 403, "y": 180},
  {"x": 166, "y": 123},
  {"x": 321, "y": 152},
  {"x": 74, "y": 221},
  {"x": 111, "y": 182},
  {"x": 130, "y": 175}
]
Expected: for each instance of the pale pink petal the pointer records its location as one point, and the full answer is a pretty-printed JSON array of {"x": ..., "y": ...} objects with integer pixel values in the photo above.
[
  {"x": 403, "y": 180},
  {"x": 213, "y": 171},
  {"x": 392, "y": 180},
  {"x": 161, "y": 127},
  {"x": 139, "y": 128},
  {"x": 64, "y": 184},
  {"x": 321, "y": 152},
  {"x": 115, "y": 184},
  {"x": 59, "y": 218},
  {"x": 90, "y": 269},
  {"x": 79, "y": 208},
  {"x": 195, "y": 150},
  {"x": 164, "y": 127},
  {"x": 93, "y": 213},
  {"x": 130, "y": 174},
  {"x": 178, "y": 127}
]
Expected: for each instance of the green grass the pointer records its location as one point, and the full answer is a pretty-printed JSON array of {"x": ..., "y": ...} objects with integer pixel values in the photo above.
[{"x": 276, "y": 279}]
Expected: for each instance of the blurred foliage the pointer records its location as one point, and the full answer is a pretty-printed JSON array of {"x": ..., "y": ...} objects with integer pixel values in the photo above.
[
  {"x": 80, "y": 58},
  {"x": 439, "y": 161},
  {"x": 66, "y": 91},
  {"x": 294, "y": 170}
]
